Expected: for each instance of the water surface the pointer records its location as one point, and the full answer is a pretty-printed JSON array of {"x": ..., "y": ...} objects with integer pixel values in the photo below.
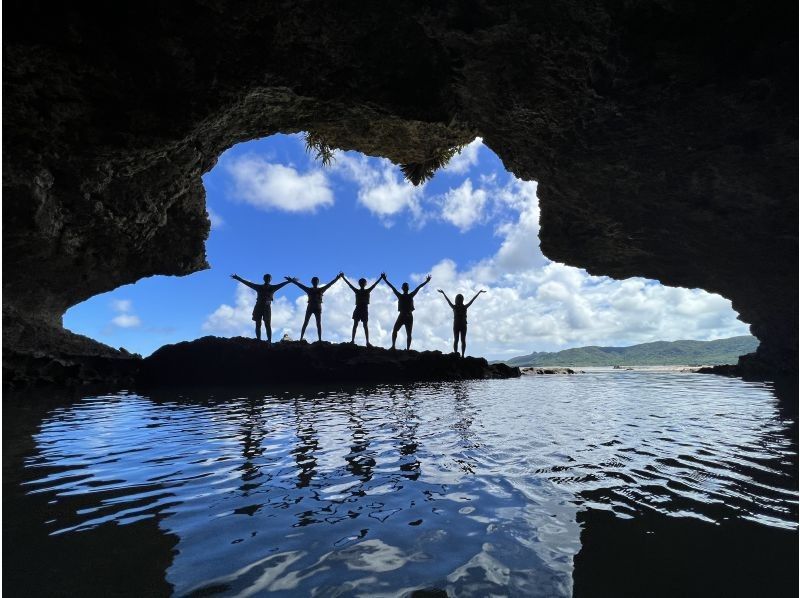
[{"x": 606, "y": 483}]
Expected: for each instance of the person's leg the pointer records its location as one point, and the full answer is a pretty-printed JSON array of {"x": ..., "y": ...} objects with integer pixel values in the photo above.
[
  {"x": 268, "y": 322},
  {"x": 397, "y": 324},
  {"x": 305, "y": 324},
  {"x": 366, "y": 332},
  {"x": 455, "y": 339},
  {"x": 318, "y": 320},
  {"x": 258, "y": 328},
  {"x": 409, "y": 328},
  {"x": 463, "y": 340},
  {"x": 353, "y": 336}
]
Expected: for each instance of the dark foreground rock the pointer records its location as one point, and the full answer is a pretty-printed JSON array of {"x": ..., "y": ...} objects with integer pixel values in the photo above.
[
  {"x": 214, "y": 360},
  {"x": 748, "y": 367},
  {"x": 46, "y": 355}
]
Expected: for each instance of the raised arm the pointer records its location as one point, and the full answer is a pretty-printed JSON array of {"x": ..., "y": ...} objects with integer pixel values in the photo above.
[
  {"x": 280, "y": 285},
  {"x": 446, "y": 297},
  {"x": 422, "y": 284},
  {"x": 297, "y": 283},
  {"x": 252, "y": 285},
  {"x": 369, "y": 290},
  {"x": 471, "y": 301},
  {"x": 344, "y": 278},
  {"x": 391, "y": 286},
  {"x": 331, "y": 283}
]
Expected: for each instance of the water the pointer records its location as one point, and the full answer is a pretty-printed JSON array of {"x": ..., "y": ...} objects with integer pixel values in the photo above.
[{"x": 607, "y": 483}]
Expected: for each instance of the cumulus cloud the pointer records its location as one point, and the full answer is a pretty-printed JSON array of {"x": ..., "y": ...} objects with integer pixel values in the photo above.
[
  {"x": 464, "y": 160},
  {"x": 215, "y": 219},
  {"x": 381, "y": 187},
  {"x": 463, "y": 206},
  {"x": 531, "y": 304},
  {"x": 125, "y": 317},
  {"x": 236, "y": 319},
  {"x": 126, "y": 321},
  {"x": 269, "y": 186}
]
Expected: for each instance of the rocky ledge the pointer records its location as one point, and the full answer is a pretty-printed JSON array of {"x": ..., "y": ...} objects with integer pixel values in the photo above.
[
  {"x": 214, "y": 360},
  {"x": 534, "y": 371}
]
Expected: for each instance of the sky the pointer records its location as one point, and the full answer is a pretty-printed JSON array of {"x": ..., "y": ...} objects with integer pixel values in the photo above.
[{"x": 274, "y": 209}]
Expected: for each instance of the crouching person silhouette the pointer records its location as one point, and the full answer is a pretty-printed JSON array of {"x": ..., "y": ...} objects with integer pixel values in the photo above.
[
  {"x": 314, "y": 294},
  {"x": 405, "y": 307},
  {"x": 361, "y": 312},
  {"x": 263, "y": 308},
  {"x": 460, "y": 319}
]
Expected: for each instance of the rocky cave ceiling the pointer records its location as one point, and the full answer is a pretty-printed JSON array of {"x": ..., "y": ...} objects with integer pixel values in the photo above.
[{"x": 663, "y": 134}]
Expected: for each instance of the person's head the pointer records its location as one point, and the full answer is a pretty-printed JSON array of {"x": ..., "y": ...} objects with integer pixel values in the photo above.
[
  {"x": 362, "y": 282},
  {"x": 267, "y": 278},
  {"x": 459, "y": 299},
  {"x": 405, "y": 287},
  {"x": 315, "y": 281}
]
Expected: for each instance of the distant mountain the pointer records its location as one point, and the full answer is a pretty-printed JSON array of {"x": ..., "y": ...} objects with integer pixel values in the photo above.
[{"x": 720, "y": 351}]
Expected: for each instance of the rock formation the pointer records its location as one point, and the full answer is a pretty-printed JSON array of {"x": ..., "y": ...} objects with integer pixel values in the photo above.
[
  {"x": 663, "y": 134},
  {"x": 212, "y": 360}
]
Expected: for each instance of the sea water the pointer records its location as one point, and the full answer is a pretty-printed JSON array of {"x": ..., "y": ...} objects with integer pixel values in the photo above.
[{"x": 602, "y": 483}]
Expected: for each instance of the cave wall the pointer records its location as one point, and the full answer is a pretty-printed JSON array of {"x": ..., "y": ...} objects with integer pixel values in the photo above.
[{"x": 663, "y": 134}]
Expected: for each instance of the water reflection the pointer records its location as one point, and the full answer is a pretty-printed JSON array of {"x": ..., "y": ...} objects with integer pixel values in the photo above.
[{"x": 519, "y": 487}]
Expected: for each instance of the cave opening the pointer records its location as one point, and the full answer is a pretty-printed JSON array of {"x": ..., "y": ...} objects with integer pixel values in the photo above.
[{"x": 276, "y": 207}]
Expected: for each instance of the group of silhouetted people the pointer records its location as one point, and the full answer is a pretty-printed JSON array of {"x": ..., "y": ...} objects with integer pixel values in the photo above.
[{"x": 262, "y": 312}]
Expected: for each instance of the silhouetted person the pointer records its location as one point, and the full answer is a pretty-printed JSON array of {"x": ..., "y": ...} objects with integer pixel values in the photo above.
[
  {"x": 405, "y": 305},
  {"x": 361, "y": 312},
  {"x": 460, "y": 319},
  {"x": 314, "y": 293},
  {"x": 263, "y": 308}
]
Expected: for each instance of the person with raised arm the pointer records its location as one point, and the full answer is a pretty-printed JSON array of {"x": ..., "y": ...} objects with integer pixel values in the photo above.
[
  {"x": 263, "y": 308},
  {"x": 460, "y": 319},
  {"x": 405, "y": 307},
  {"x": 314, "y": 294},
  {"x": 361, "y": 312}
]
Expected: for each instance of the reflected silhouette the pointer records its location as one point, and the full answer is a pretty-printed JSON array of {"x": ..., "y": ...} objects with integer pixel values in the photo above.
[
  {"x": 405, "y": 307},
  {"x": 407, "y": 422},
  {"x": 307, "y": 446},
  {"x": 361, "y": 312},
  {"x": 263, "y": 307},
  {"x": 253, "y": 434},
  {"x": 314, "y": 294},
  {"x": 359, "y": 461},
  {"x": 460, "y": 319}
]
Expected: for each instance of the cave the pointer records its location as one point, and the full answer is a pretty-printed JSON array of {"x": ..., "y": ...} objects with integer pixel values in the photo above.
[{"x": 662, "y": 136}]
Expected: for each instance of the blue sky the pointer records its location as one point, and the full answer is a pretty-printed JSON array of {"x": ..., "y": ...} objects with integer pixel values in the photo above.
[{"x": 275, "y": 209}]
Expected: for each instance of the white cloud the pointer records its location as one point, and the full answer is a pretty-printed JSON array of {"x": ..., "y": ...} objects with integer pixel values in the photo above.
[
  {"x": 531, "y": 303},
  {"x": 270, "y": 186},
  {"x": 465, "y": 159},
  {"x": 122, "y": 305},
  {"x": 215, "y": 219},
  {"x": 125, "y": 319},
  {"x": 463, "y": 206},
  {"x": 381, "y": 187}
]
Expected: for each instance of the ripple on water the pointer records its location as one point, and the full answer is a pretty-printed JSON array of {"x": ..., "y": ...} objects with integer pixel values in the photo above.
[{"x": 469, "y": 487}]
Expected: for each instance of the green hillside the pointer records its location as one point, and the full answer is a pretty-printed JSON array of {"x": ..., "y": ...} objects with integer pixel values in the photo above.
[{"x": 720, "y": 351}]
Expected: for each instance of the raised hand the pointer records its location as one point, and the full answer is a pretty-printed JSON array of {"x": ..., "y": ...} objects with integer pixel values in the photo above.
[
  {"x": 428, "y": 278},
  {"x": 441, "y": 291},
  {"x": 383, "y": 275},
  {"x": 234, "y": 276}
]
